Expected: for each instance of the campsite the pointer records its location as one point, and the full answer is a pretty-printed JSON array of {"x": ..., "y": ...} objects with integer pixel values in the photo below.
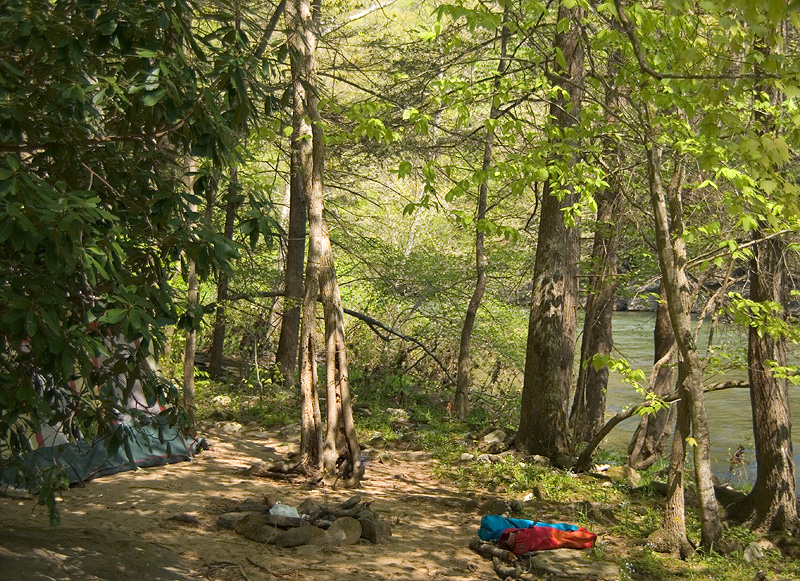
[
  {"x": 163, "y": 523},
  {"x": 399, "y": 289}
]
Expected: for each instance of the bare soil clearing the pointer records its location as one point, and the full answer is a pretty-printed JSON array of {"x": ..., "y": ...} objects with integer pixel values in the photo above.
[{"x": 120, "y": 527}]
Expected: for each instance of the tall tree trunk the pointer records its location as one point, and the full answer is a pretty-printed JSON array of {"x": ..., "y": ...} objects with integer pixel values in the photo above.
[
  {"x": 589, "y": 403},
  {"x": 671, "y": 537},
  {"x": 771, "y": 504},
  {"x": 672, "y": 262},
  {"x": 648, "y": 439},
  {"x": 552, "y": 326},
  {"x": 220, "y": 322},
  {"x": 286, "y": 355},
  {"x": 301, "y": 176},
  {"x": 341, "y": 456},
  {"x": 462, "y": 375},
  {"x": 311, "y": 436},
  {"x": 191, "y": 334}
]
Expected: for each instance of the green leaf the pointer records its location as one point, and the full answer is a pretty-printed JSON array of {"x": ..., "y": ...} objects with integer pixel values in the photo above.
[
  {"x": 163, "y": 20},
  {"x": 153, "y": 97}
]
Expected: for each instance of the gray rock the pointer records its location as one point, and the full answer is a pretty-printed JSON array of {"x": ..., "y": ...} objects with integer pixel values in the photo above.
[
  {"x": 378, "y": 442},
  {"x": 498, "y": 447},
  {"x": 497, "y": 436},
  {"x": 229, "y": 520},
  {"x": 229, "y": 427},
  {"x": 757, "y": 550},
  {"x": 366, "y": 513},
  {"x": 536, "y": 459},
  {"x": 493, "y": 506},
  {"x": 371, "y": 530},
  {"x": 752, "y": 553},
  {"x": 253, "y": 504},
  {"x": 309, "y": 506},
  {"x": 295, "y": 537},
  {"x": 386, "y": 529},
  {"x": 343, "y": 531},
  {"x": 290, "y": 432},
  {"x": 516, "y": 506},
  {"x": 254, "y": 526},
  {"x": 571, "y": 564},
  {"x": 466, "y": 457}
]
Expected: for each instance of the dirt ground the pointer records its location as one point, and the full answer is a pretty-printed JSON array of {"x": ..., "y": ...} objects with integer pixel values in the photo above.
[{"x": 119, "y": 527}]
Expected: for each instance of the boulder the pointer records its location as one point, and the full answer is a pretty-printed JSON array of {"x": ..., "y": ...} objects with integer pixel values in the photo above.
[
  {"x": 298, "y": 536},
  {"x": 493, "y": 506},
  {"x": 343, "y": 531},
  {"x": 254, "y": 526},
  {"x": 229, "y": 520},
  {"x": 571, "y": 564},
  {"x": 371, "y": 530},
  {"x": 495, "y": 437}
]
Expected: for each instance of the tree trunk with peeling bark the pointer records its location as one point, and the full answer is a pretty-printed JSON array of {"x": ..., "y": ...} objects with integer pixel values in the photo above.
[
  {"x": 672, "y": 262},
  {"x": 341, "y": 457}
]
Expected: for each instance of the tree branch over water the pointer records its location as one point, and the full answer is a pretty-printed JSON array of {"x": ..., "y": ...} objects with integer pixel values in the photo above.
[{"x": 584, "y": 461}]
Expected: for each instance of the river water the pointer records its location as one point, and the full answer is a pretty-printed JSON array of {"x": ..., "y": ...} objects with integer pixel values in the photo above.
[{"x": 730, "y": 419}]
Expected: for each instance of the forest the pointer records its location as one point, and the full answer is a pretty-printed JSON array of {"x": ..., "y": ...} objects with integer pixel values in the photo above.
[{"x": 450, "y": 198}]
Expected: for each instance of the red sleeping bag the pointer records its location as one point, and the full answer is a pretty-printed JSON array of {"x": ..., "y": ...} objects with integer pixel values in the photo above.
[{"x": 544, "y": 538}]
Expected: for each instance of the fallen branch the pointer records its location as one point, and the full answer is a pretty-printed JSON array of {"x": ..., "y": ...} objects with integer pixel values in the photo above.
[{"x": 490, "y": 550}]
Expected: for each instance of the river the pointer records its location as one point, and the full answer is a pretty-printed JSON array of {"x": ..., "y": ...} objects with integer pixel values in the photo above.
[{"x": 730, "y": 420}]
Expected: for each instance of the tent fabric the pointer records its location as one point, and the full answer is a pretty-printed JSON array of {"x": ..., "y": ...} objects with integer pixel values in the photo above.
[
  {"x": 493, "y": 525},
  {"x": 146, "y": 440},
  {"x": 542, "y": 538},
  {"x": 145, "y": 446}
]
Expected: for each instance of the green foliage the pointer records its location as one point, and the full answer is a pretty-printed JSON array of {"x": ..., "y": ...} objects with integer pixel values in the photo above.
[{"x": 101, "y": 103}]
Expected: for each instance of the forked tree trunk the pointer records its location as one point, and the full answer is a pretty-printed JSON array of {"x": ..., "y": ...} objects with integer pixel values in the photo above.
[
  {"x": 341, "y": 455},
  {"x": 463, "y": 376},
  {"x": 302, "y": 175},
  {"x": 552, "y": 326},
  {"x": 672, "y": 262},
  {"x": 648, "y": 439}
]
